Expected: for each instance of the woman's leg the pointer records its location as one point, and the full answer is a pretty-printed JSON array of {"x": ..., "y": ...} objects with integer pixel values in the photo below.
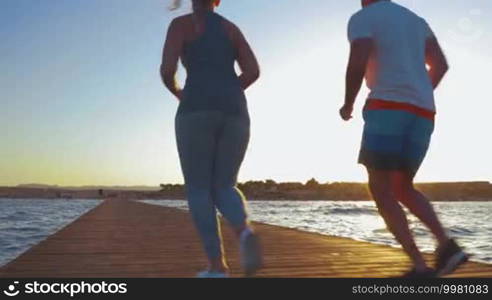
[
  {"x": 231, "y": 148},
  {"x": 196, "y": 141}
]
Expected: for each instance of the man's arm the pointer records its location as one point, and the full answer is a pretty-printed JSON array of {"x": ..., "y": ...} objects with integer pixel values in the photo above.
[
  {"x": 436, "y": 60},
  {"x": 170, "y": 58},
  {"x": 360, "y": 51}
]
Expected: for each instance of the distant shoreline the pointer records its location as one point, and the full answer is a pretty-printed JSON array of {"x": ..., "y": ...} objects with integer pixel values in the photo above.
[{"x": 254, "y": 190}]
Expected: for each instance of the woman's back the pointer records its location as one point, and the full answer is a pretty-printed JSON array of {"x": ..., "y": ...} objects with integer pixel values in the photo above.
[{"x": 209, "y": 58}]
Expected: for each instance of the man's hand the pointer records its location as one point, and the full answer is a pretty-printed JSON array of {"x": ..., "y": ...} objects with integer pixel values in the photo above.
[
  {"x": 436, "y": 60},
  {"x": 346, "y": 112}
]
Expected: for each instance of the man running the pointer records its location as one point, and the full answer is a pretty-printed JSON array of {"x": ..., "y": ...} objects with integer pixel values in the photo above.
[{"x": 390, "y": 47}]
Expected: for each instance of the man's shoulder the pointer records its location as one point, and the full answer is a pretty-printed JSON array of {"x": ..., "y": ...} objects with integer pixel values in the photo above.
[
  {"x": 366, "y": 14},
  {"x": 379, "y": 13},
  {"x": 422, "y": 20},
  {"x": 358, "y": 19},
  {"x": 361, "y": 13}
]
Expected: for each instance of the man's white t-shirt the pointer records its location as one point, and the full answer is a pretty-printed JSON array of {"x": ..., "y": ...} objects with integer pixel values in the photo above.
[{"x": 396, "y": 70}]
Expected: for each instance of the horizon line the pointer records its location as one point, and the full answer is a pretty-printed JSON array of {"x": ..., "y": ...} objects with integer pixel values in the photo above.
[{"x": 242, "y": 182}]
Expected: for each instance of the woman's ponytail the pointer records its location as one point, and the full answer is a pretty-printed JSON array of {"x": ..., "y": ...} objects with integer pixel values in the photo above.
[{"x": 175, "y": 4}]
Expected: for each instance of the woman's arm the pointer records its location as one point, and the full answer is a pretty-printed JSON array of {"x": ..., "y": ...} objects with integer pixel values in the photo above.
[
  {"x": 170, "y": 57},
  {"x": 246, "y": 59}
]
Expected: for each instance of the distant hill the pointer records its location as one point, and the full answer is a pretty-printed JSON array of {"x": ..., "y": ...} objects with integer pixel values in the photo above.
[
  {"x": 89, "y": 187},
  {"x": 255, "y": 190}
]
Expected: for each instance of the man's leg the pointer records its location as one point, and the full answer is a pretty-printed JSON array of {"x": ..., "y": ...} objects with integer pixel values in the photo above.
[
  {"x": 380, "y": 184},
  {"x": 449, "y": 254},
  {"x": 419, "y": 205}
]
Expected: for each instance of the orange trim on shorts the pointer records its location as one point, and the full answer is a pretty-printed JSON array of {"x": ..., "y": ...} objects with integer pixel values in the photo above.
[{"x": 374, "y": 104}]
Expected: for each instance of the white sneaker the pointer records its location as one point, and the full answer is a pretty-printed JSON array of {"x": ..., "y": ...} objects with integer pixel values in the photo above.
[
  {"x": 250, "y": 250},
  {"x": 212, "y": 274}
]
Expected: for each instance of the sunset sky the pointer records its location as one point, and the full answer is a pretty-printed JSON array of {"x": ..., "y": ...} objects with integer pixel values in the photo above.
[{"x": 83, "y": 104}]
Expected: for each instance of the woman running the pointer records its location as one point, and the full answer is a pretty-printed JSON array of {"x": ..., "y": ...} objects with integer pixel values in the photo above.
[{"x": 213, "y": 126}]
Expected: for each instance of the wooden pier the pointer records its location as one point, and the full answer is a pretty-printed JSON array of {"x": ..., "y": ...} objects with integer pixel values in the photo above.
[{"x": 121, "y": 239}]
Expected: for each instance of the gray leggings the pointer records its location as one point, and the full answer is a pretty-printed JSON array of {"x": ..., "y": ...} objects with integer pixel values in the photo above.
[{"x": 211, "y": 148}]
